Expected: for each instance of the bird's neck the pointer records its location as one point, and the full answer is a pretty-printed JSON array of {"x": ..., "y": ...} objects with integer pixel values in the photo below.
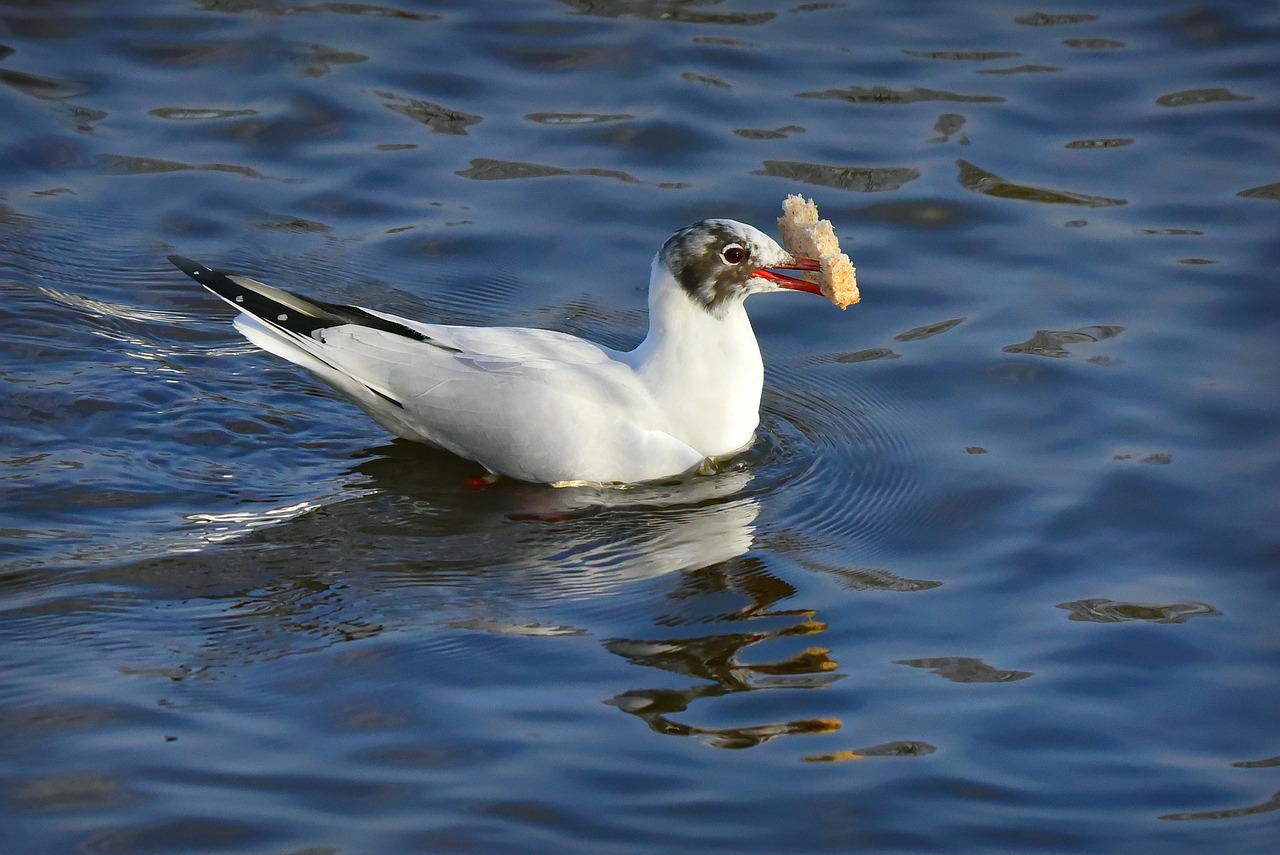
[{"x": 704, "y": 370}]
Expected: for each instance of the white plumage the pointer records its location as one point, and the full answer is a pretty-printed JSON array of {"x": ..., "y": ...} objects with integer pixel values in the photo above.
[{"x": 545, "y": 406}]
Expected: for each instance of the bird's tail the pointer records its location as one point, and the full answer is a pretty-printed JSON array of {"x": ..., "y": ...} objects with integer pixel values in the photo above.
[
  {"x": 285, "y": 310},
  {"x": 289, "y": 325}
]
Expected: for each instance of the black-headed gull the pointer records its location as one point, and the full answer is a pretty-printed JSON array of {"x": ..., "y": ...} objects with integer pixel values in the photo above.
[{"x": 546, "y": 406}]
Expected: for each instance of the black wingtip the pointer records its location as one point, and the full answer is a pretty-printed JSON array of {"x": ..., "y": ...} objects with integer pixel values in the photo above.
[
  {"x": 221, "y": 284},
  {"x": 289, "y": 311},
  {"x": 194, "y": 269}
]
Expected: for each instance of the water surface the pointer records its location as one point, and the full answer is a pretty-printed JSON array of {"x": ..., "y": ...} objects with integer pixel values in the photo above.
[{"x": 1000, "y": 574}]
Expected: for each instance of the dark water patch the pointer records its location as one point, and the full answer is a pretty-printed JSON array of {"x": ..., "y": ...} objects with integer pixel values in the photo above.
[
  {"x": 816, "y": 7},
  {"x": 1022, "y": 69},
  {"x": 187, "y": 114},
  {"x": 947, "y": 125},
  {"x": 670, "y": 11},
  {"x": 963, "y": 55},
  {"x": 488, "y": 169},
  {"x": 707, "y": 80},
  {"x": 577, "y": 118},
  {"x": 1046, "y": 19},
  {"x": 1158, "y": 458},
  {"x": 900, "y": 748},
  {"x": 1102, "y": 142},
  {"x": 965, "y": 669},
  {"x": 124, "y": 164},
  {"x": 276, "y": 9},
  {"x": 287, "y": 223},
  {"x": 869, "y": 354},
  {"x": 1054, "y": 343},
  {"x": 1093, "y": 44},
  {"x": 1197, "y": 97},
  {"x": 869, "y": 578},
  {"x": 764, "y": 134},
  {"x": 725, "y": 41},
  {"x": 44, "y": 88},
  {"x": 988, "y": 183},
  {"x": 1267, "y": 806},
  {"x": 1102, "y": 610},
  {"x": 862, "y": 179},
  {"x": 5, "y": 52},
  {"x": 440, "y": 119},
  {"x": 1257, "y": 764},
  {"x": 70, "y": 792},
  {"x": 929, "y": 330},
  {"x": 1266, "y": 191},
  {"x": 887, "y": 95}
]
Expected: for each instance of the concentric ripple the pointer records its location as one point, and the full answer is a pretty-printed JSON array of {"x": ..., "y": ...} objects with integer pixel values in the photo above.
[{"x": 838, "y": 460}]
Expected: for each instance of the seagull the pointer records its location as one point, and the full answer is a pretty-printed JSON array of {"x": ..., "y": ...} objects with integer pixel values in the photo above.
[{"x": 543, "y": 406}]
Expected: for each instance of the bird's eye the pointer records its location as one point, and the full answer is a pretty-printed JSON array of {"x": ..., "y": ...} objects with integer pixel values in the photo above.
[{"x": 734, "y": 254}]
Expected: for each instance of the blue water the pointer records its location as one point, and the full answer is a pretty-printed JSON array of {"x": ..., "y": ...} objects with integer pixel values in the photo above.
[{"x": 1000, "y": 575}]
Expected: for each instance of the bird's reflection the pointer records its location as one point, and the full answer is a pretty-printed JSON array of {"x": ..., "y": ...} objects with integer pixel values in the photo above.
[
  {"x": 416, "y": 543},
  {"x": 701, "y": 528},
  {"x": 557, "y": 542},
  {"x": 721, "y": 660}
]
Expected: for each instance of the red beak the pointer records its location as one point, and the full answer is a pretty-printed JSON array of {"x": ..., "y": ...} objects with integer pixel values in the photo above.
[{"x": 792, "y": 282}]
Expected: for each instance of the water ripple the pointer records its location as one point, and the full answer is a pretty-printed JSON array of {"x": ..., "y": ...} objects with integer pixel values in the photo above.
[
  {"x": 839, "y": 459},
  {"x": 208, "y": 556}
]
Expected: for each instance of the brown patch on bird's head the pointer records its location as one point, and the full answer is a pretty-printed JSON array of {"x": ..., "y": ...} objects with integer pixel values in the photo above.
[{"x": 715, "y": 261}]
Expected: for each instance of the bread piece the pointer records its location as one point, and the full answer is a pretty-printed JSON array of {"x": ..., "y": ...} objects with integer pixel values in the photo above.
[
  {"x": 805, "y": 236},
  {"x": 797, "y": 214}
]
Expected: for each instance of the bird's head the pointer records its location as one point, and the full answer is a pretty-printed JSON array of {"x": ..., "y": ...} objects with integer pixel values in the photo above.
[{"x": 718, "y": 263}]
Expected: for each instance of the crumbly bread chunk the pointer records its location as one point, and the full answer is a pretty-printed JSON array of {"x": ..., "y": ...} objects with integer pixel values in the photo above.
[{"x": 804, "y": 235}]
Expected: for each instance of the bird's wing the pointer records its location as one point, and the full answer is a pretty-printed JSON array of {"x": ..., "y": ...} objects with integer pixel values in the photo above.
[
  {"x": 516, "y": 404},
  {"x": 519, "y": 344},
  {"x": 533, "y": 404}
]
